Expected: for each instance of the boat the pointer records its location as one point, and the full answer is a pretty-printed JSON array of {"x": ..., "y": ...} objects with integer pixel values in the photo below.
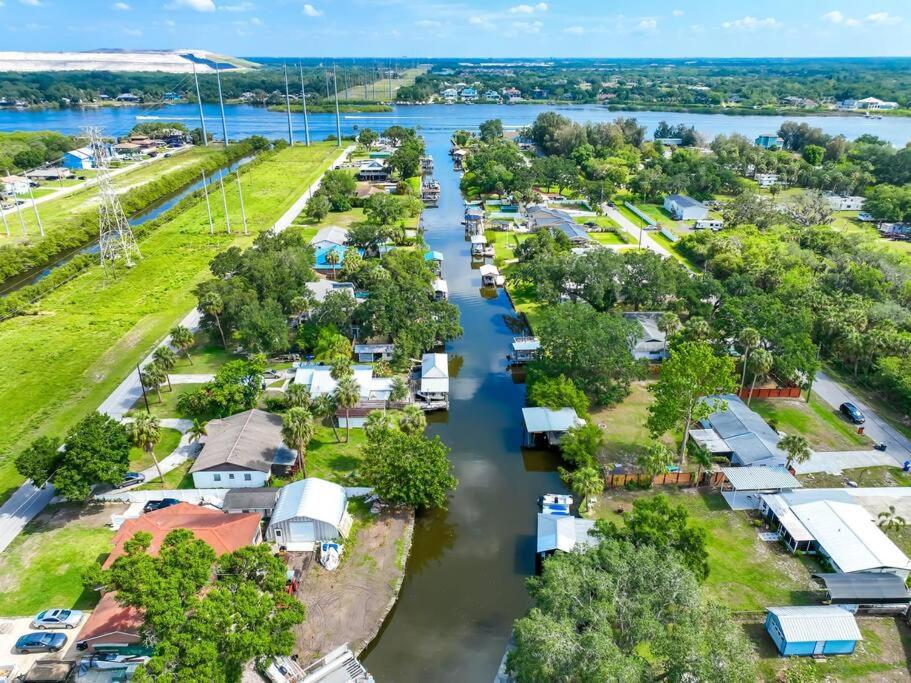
[
  {"x": 557, "y": 504},
  {"x": 330, "y": 555}
]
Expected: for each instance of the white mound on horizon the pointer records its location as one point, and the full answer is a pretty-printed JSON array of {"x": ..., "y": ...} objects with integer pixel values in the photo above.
[{"x": 170, "y": 61}]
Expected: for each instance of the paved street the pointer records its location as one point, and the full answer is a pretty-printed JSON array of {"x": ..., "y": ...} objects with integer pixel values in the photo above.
[
  {"x": 20, "y": 509},
  {"x": 637, "y": 233}
]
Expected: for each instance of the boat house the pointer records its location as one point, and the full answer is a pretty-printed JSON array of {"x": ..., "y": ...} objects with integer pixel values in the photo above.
[
  {"x": 562, "y": 533},
  {"x": 307, "y": 512},
  {"x": 434, "y": 384},
  {"x": 812, "y": 630},
  {"x": 552, "y": 424},
  {"x": 524, "y": 349},
  {"x": 474, "y": 221},
  {"x": 489, "y": 275},
  {"x": 440, "y": 289}
]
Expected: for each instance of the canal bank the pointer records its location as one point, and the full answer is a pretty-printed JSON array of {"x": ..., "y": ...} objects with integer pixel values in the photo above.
[{"x": 465, "y": 580}]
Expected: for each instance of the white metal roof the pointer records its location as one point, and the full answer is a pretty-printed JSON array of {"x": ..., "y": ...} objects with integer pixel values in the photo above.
[
  {"x": 318, "y": 378},
  {"x": 439, "y": 285},
  {"x": 760, "y": 478},
  {"x": 488, "y": 269},
  {"x": 312, "y": 498},
  {"x": 525, "y": 344},
  {"x": 478, "y": 239},
  {"x": 332, "y": 234},
  {"x": 564, "y": 532},
  {"x": 435, "y": 373},
  {"x": 320, "y": 288},
  {"x": 787, "y": 519},
  {"x": 538, "y": 420},
  {"x": 849, "y": 537},
  {"x": 814, "y": 623},
  {"x": 709, "y": 440}
]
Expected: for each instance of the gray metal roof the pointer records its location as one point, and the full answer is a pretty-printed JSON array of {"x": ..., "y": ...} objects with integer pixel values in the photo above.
[
  {"x": 311, "y": 498},
  {"x": 539, "y": 420},
  {"x": 866, "y": 587},
  {"x": 260, "y": 498},
  {"x": 815, "y": 623},
  {"x": 247, "y": 440},
  {"x": 683, "y": 200},
  {"x": 564, "y": 533},
  {"x": 751, "y": 440},
  {"x": 760, "y": 478}
]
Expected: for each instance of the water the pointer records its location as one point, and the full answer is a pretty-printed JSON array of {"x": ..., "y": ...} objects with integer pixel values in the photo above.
[
  {"x": 245, "y": 120},
  {"x": 465, "y": 579}
]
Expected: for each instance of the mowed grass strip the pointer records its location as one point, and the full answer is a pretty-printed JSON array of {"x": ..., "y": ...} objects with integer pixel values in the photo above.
[{"x": 60, "y": 364}]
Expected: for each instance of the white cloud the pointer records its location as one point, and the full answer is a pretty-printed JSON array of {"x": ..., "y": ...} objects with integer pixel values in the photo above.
[
  {"x": 170, "y": 23},
  {"x": 529, "y": 9},
  {"x": 31, "y": 3},
  {"x": 428, "y": 23},
  {"x": 542, "y": 7},
  {"x": 834, "y": 17},
  {"x": 532, "y": 27},
  {"x": 120, "y": 6},
  {"x": 311, "y": 11},
  {"x": 749, "y": 23},
  {"x": 197, "y": 5},
  {"x": 883, "y": 18},
  {"x": 647, "y": 24},
  {"x": 880, "y": 18},
  {"x": 237, "y": 7},
  {"x": 574, "y": 30},
  {"x": 677, "y": 12},
  {"x": 135, "y": 32}
]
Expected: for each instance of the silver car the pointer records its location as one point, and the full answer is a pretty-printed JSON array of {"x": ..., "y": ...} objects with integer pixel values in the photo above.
[{"x": 57, "y": 618}]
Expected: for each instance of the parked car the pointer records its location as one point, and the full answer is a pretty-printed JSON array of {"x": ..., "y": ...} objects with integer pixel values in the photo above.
[
  {"x": 57, "y": 618},
  {"x": 850, "y": 411},
  {"x": 153, "y": 505},
  {"x": 40, "y": 642},
  {"x": 131, "y": 479}
]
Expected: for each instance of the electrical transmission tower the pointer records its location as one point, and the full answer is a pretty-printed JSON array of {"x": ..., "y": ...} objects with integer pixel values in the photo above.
[{"x": 115, "y": 237}]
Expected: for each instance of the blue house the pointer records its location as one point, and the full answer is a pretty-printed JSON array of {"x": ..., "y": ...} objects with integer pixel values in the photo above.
[
  {"x": 769, "y": 141},
  {"x": 81, "y": 158},
  {"x": 813, "y": 630},
  {"x": 321, "y": 257}
]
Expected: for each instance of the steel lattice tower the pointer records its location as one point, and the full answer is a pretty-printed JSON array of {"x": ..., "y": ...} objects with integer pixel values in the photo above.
[{"x": 115, "y": 237}]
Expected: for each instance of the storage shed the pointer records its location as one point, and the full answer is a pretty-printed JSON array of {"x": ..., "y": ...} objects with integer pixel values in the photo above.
[
  {"x": 685, "y": 208},
  {"x": 866, "y": 589},
  {"x": 307, "y": 512},
  {"x": 813, "y": 630}
]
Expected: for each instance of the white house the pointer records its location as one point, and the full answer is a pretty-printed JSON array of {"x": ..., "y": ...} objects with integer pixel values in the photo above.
[
  {"x": 651, "y": 343},
  {"x": 450, "y": 95},
  {"x": 240, "y": 451},
  {"x": 14, "y": 184},
  {"x": 318, "y": 379},
  {"x": 840, "y": 203},
  {"x": 321, "y": 288},
  {"x": 329, "y": 237},
  {"x": 767, "y": 180},
  {"x": 876, "y": 104},
  {"x": 434, "y": 376},
  {"x": 493, "y": 96},
  {"x": 307, "y": 512},
  {"x": 685, "y": 208},
  {"x": 81, "y": 158}
]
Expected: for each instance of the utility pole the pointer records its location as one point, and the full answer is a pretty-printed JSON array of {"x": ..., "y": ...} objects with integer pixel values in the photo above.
[
  {"x": 18, "y": 209},
  {"x": 221, "y": 104},
  {"x": 202, "y": 119},
  {"x": 5, "y": 223},
  {"x": 35, "y": 209},
  {"x": 243, "y": 211},
  {"x": 338, "y": 122},
  {"x": 288, "y": 107},
  {"x": 304, "y": 104},
  {"x": 345, "y": 76},
  {"x": 224, "y": 200},
  {"x": 205, "y": 190},
  {"x": 366, "y": 95}
]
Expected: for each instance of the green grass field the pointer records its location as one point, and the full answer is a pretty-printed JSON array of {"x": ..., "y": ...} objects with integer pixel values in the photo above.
[
  {"x": 625, "y": 434},
  {"x": 821, "y": 425},
  {"x": 61, "y": 363},
  {"x": 139, "y": 459}
]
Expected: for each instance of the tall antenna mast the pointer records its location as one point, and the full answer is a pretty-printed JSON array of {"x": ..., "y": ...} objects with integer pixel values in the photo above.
[
  {"x": 389, "y": 80},
  {"x": 202, "y": 119},
  {"x": 115, "y": 237},
  {"x": 35, "y": 209},
  {"x": 304, "y": 103},
  {"x": 366, "y": 96},
  {"x": 205, "y": 190},
  {"x": 224, "y": 201},
  {"x": 345, "y": 76},
  {"x": 18, "y": 208},
  {"x": 221, "y": 103},
  {"x": 338, "y": 122},
  {"x": 243, "y": 211},
  {"x": 288, "y": 107}
]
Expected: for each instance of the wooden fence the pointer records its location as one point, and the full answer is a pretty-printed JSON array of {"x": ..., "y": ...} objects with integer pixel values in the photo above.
[
  {"x": 781, "y": 392},
  {"x": 706, "y": 478}
]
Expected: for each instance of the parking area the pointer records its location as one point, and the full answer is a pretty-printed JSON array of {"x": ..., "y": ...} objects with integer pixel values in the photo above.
[{"x": 12, "y": 629}]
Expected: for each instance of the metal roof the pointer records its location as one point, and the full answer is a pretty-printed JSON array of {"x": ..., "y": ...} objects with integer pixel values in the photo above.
[
  {"x": 849, "y": 537},
  {"x": 564, "y": 533},
  {"x": 332, "y": 233},
  {"x": 525, "y": 344},
  {"x": 318, "y": 379},
  {"x": 311, "y": 498},
  {"x": 320, "y": 288},
  {"x": 539, "y": 420},
  {"x": 750, "y": 438},
  {"x": 435, "y": 373},
  {"x": 760, "y": 478},
  {"x": 488, "y": 269},
  {"x": 478, "y": 239},
  {"x": 865, "y": 587},
  {"x": 814, "y": 623},
  {"x": 787, "y": 519},
  {"x": 433, "y": 256},
  {"x": 683, "y": 200},
  {"x": 248, "y": 440},
  {"x": 439, "y": 285},
  {"x": 259, "y": 498}
]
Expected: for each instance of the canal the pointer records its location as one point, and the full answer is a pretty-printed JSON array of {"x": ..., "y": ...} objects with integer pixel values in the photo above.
[{"x": 464, "y": 584}]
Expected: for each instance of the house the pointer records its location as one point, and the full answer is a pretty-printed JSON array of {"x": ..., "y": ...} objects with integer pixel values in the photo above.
[
  {"x": 241, "y": 451},
  {"x": 434, "y": 377},
  {"x": 739, "y": 434},
  {"x": 374, "y": 392},
  {"x": 474, "y": 221},
  {"x": 539, "y": 217},
  {"x": 684, "y": 208},
  {"x": 128, "y": 97},
  {"x": 651, "y": 343},
  {"x": 524, "y": 350},
  {"x": 14, "y": 185},
  {"x": 366, "y": 190},
  {"x": 328, "y": 237},
  {"x": 512, "y": 94},
  {"x": 321, "y": 288},
  {"x": 744, "y": 486},
  {"x": 260, "y": 500},
  {"x": 875, "y": 104},
  {"x": 468, "y": 95},
  {"x": 330, "y": 258},
  {"x": 539, "y": 94},
  {"x": 553, "y": 424},
  {"x": 563, "y": 533},
  {"x": 489, "y": 275},
  {"x": 440, "y": 290},
  {"x": 769, "y": 141},
  {"x": 127, "y": 150},
  {"x": 435, "y": 260},
  {"x": 111, "y": 627},
  {"x": 372, "y": 353},
  {"x": 812, "y": 630},
  {"x": 52, "y": 173},
  {"x": 450, "y": 95},
  {"x": 307, "y": 512},
  {"x": 493, "y": 96},
  {"x": 766, "y": 180},
  {"x": 373, "y": 170},
  {"x": 845, "y": 203},
  {"x": 82, "y": 158}
]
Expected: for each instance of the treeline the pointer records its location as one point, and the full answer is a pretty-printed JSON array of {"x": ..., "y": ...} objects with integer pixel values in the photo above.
[
  {"x": 21, "y": 151},
  {"x": 16, "y": 259}
]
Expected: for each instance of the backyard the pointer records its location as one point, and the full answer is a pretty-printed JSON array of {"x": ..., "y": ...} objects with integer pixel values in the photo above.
[
  {"x": 88, "y": 334},
  {"x": 625, "y": 434}
]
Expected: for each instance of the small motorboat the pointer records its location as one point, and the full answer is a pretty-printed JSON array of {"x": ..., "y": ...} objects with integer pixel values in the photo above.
[
  {"x": 330, "y": 555},
  {"x": 555, "y": 504}
]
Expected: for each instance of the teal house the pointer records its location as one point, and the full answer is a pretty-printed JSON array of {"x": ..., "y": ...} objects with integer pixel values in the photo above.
[{"x": 813, "y": 630}]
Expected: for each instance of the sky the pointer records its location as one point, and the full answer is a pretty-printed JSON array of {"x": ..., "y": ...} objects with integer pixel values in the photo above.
[{"x": 466, "y": 28}]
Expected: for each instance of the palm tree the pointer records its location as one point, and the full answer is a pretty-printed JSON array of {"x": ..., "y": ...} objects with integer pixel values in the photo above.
[
  {"x": 298, "y": 396},
  {"x": 165, "y": 357},
  {"x": 342, "y": 367},
  {"x": 668, "y": 323},
  {"x": 152, "y": 375},
  {"x": 760, "y": 366},
  {"x": 145, "y": 431},
  {"x": 324, "y": 407},
  {"x": 183, "y": 340},
  {"x": 888, "y": 520},
  {"x": 297, "y": 431},
  {"x": 796, "y": 447},
  {"x": 378, "y": 422},
  {"x": 211, "y": 304},
  {"x": 585, "y": 482},
  {"x": 412, "y": 420},
  {"x": 399, "y": 391},
  {"x": 332, "y": 348},
  {"x": 703, "y": 460},
  {"x": 197, "y": 431},
  {"x": 333, "y": 259},
  {"x": 749, "y": 339},
  {"x": 347, "y": 394}
]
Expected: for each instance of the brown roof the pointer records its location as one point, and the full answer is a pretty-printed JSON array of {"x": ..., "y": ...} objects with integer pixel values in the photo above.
[
  {"x": 111, "y": 617},
  {"x": 247, "y": 440},
  {"x": 224, "y": 532}
]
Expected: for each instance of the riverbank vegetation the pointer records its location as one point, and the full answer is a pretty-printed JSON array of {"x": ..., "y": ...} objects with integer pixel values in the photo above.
[{"x": 22, "y": 151}]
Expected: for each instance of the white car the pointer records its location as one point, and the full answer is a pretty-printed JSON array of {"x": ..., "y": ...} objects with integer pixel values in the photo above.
[{"x": 57, "y": 618}]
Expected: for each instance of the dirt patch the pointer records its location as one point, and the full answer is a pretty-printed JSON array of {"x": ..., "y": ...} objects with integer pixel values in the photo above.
[{"x": 350, "y": 604}]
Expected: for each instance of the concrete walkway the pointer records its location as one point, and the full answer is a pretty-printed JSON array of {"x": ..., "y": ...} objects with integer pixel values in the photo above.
[{"x": 188, "y": 378}]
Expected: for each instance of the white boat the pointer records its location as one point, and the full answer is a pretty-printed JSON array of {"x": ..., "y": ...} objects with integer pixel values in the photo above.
[{"x": 330, "y": 555}]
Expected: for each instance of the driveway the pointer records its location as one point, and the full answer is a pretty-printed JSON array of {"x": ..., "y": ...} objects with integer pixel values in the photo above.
[
  {"x": 836, "y": 461},
  {"x": 898, "y": 446},
  {"x": 13, "y": 628}
]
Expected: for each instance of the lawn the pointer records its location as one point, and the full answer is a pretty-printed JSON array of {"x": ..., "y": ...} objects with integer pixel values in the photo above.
[
  {"x": 610, "y": 237},
  {"x": 167, "y": 406},
  {"x": 625, "y": 433},
  {"x": 629, "y": 215},
  {"x": 343, "y": 219},
  {"x": 745, "y": 573},
  {"x": 329, "y": 458},
  {"x": 601, "y": 221},
  {"x": 43, "y": 566},
  {"x": 866, "y": 477},
  {"x": 178, "y": 478},
  {"x": 88, "y": 334},
  {"x": 820, "y": 424},
  {"x": 140, "y": 460},
  {"x": 504, "y": 243},
  {"x": 524, "y": 299}
]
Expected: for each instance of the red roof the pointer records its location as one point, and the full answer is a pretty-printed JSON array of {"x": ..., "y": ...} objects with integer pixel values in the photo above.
[
  {"x": 224, "y": 532},
  {"x": 111, "y": 617}
]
